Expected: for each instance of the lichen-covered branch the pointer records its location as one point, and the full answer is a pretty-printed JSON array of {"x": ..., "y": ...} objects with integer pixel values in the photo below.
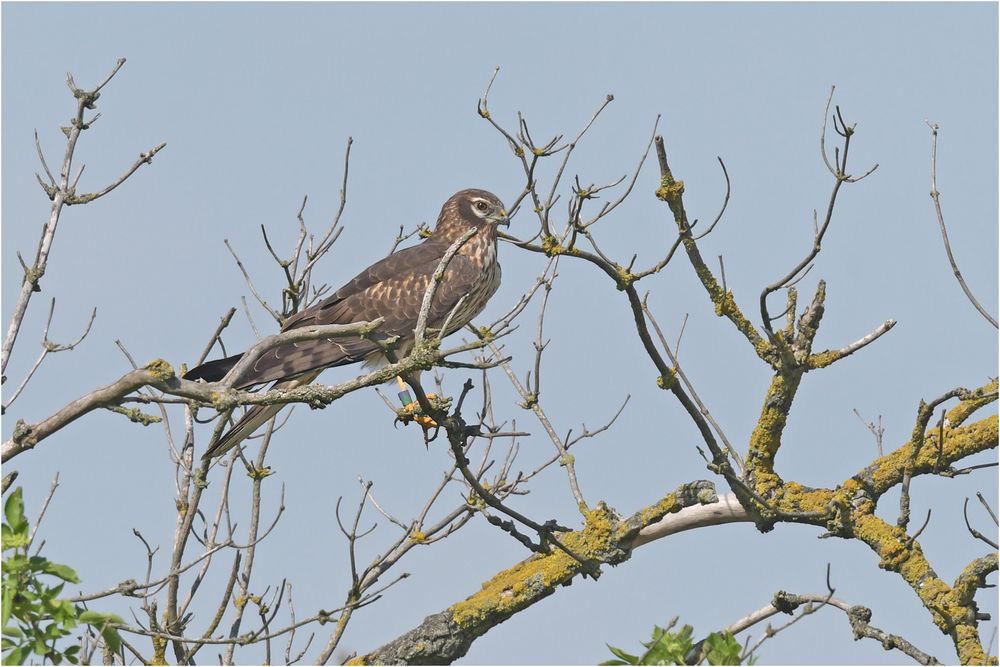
[
  {"x": 671, "y": 191},
  {"x": 605, "y": 539}
]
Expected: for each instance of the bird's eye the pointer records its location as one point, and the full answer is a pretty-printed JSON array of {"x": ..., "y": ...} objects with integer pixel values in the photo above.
[{"x": 481, "y": 205}]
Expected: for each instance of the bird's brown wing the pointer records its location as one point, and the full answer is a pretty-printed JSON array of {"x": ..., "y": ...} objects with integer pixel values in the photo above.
[{"x": 393, "y": 289}]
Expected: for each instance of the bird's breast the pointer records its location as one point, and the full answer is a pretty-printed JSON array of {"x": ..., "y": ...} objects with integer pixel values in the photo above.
[{"x": 483, "y": 287}]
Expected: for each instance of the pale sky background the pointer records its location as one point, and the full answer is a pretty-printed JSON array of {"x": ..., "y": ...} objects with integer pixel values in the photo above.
[{"x": 256, "y": 103}]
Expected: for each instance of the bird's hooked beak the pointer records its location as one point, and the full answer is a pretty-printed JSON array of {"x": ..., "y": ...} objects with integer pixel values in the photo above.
[{"x": 501, "y": 218}]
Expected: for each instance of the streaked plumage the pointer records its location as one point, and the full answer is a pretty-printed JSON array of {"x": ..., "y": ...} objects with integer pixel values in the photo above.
[{"x": 392, "y": 288}]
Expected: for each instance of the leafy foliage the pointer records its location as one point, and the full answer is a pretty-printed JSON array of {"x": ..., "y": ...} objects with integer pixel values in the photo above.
[
  {"x": 35, "y": 619},
  {"x": 678, "y": 648}
]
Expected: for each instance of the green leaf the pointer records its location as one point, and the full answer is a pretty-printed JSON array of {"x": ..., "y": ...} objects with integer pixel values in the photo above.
[
  {"x": 11, "y": 631},
  {"x": 64, "y": 613},
  {"x": 627, "y": 657},
  {"x": 64, "y": 572},
  {"x": 100, "y": 621},
  {"x": 91, "y": 617},
  {"x": 17, "y": 656},
  {"x": 13, "y": 509},
  {"x": 9, "y": 591},
  {"x": 723, "y": 649},
  {"x": 613, "y": 662},
  {"x": 113, "y": 639},
  {"x": 667, "y": 648}
]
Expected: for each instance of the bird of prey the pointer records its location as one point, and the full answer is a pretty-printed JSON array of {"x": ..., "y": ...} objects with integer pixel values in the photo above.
[{"x": 392, "y": 289}]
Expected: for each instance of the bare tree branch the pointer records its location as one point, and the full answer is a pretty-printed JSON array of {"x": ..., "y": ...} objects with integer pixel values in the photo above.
[
  {"x": 61, "y": 194},
  {"x": 936, "y": 196}
]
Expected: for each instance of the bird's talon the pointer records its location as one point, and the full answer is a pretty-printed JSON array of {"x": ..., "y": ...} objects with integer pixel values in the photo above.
[{"x": 411, "y": 409}]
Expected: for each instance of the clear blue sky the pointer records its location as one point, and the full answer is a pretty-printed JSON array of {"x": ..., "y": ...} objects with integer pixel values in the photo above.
[{"x": 256, "y": 103}]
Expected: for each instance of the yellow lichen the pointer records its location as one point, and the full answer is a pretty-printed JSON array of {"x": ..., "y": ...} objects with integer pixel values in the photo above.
[
  {"x": 960, "y": 442},
  {"x": 961, "y": 412},
  {"x": 160, "y": 369},
  {"x": 795, "y": 498},
  {"x": 550, "y": 244},
  {"x": 669, "y": 190},
  {"x": 667, "y": 381},
  {"x": 625, "y": 278},
  {"x": 766, "y": 437},
  {"x": 823, "y": 359},
  {"x": 259, "y": 473},
  {"x": 519, "y": 586},
  {"x": 654, "y": 513},
  {"x": 159, "y": 651}
]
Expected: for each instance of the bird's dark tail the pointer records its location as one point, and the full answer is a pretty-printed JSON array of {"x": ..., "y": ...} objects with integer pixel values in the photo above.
[
  {"x": 213, "y": 371},
  {"x": 254, "y": 418}
]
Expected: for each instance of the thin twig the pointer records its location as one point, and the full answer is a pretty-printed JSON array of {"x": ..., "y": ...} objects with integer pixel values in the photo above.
[
  {"x": 41, "y": 514},
  {"x": 975, "y": 533},
  {"x": 246, "y": 276},
  {"x": 936, "y": 196}
]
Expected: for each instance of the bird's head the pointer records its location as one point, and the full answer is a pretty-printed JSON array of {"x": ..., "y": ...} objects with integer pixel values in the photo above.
[{"x": 476, "y": 207}]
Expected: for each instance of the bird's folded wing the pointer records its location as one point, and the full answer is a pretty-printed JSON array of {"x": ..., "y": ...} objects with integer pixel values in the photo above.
[{"x": 392, "y": 289}]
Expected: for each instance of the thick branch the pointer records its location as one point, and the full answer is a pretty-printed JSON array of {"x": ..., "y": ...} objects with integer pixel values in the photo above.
[{"x": 445, "y": 637}]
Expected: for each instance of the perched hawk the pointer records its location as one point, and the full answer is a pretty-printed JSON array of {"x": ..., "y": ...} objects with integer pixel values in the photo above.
[{"x": 393, "y": 289}]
